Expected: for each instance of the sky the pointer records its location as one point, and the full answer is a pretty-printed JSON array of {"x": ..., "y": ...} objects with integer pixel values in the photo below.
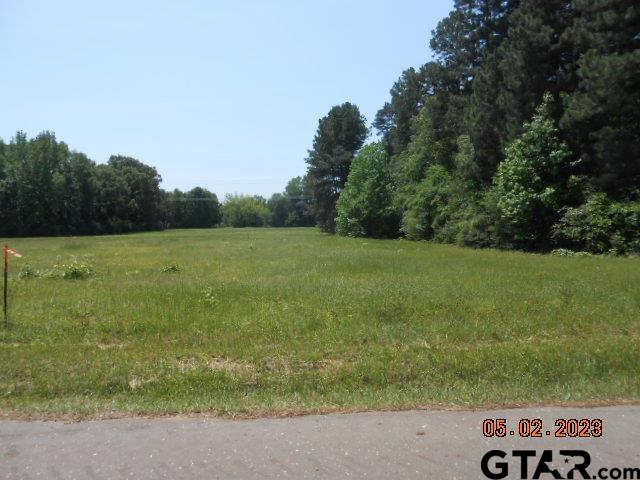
[{"x": 221, "y": 94}]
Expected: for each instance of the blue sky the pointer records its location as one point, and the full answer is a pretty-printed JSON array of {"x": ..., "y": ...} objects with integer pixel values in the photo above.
[{"x": 222, "y": 94}]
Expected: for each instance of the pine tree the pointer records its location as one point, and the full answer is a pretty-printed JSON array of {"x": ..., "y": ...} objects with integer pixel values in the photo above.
[
  {"x": 339, "y": 136},
  {"x": 602, "y": 114}
]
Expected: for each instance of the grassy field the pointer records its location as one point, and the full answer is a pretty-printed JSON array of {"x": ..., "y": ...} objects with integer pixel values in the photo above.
[{"x": 277, "y": 321}]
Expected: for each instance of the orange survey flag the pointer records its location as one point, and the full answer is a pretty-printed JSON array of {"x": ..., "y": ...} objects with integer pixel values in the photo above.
[{"x": 13, "y": 252}]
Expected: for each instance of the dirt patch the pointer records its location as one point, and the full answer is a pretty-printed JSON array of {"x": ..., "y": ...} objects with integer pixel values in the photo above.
[
  {"x": 214, "y": 363},
  {"x": 286, "y": 367},
  {"x": 137, "y": 382},
  {"x": 111, "y": 346}
]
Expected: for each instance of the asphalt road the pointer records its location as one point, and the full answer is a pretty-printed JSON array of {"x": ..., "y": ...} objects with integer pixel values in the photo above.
[{"x": 394, "y": 445}]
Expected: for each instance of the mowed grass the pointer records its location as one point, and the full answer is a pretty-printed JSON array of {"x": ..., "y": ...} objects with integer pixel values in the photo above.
[{"x": 279, "y": 321}]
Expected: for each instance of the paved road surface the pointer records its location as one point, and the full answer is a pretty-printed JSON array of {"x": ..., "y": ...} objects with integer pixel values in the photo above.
[{"x": 415, "y": 444}]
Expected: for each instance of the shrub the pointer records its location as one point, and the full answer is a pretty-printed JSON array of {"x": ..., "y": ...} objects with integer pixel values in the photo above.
[
  {"x": 365, "y": 206},
  {"x": 426, "y": 209},
  {"x": 244, "y": 211},
  {"x": 470, "y": 222},
  {"x": 27, "y": 272},
  {"x": 209, "y": 296},
  {"x": 563, "y": 252},
  {"x": 173, "y": 268},
  {"x": 530, "y": 181},
  {"x": 75, "y": 269},
  {"x": 600, "y": 226},
  {"x": 469, "y": 217}
]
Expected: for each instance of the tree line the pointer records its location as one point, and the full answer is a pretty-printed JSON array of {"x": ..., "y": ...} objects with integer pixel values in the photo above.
[
  {"x": 48, "y": 189},
  {"x": 522, "y": 133}
]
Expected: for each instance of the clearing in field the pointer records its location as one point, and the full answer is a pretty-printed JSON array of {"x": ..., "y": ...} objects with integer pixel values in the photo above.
[{"x": 277, "y": 321}]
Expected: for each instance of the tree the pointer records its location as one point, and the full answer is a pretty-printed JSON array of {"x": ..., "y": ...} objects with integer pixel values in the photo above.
[
  {"x": 600, "y": 226},
  {"x": 532, "y": 180},
  {"x": 473, "y": 30},
  {"x": 279, "y": 206},
  {"x": 484, "y": 119},
  {"x": 393, "y": 120},
  {"x": 77, "y": 195},
  {"x": 602, "y": 114},
  {"x": 529, "y": 60},
  {"x": 299, "y": 195},
  {"x": 47, "y": 189},
  {"x": 245, "y": 211},
  {"x": 461, "y": 42},
  {"x": 9, "y": 215},
  {"x": 532, "y": 59},
  {"x": 339, "y": 136},
  {"x": 291, "y": 208},
  {"x": 424, "y": 210},
  {"x": 202, "y": 209},
  {"x": 176, "y": 208},
  {"x": 38, "y": 164},
  {"x": 365, "y": 206},
  {"x": 129, "y": 196}
]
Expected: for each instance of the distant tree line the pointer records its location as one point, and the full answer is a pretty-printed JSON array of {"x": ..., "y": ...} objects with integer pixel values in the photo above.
[
  {"x": 48, "y": 189},
  {"x": 523, "y": 133}
]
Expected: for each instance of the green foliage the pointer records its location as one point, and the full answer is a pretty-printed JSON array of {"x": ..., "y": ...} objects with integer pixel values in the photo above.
[
  {"x": 394, "y": 120},
  {"x": 424, "y": 214},
  {"x": 292, "y": 208},
  {"x": 278, "y": 206},
  {"x": 563, "y": 252},
  {"x": 129, "y": 196},
  {"x": 339, "y": 136},
  {"x": 445, "y": 206},
  {"x": 474, "y": 158},
  {"x": 47, "y": 189},
  {"x": 494, "y": 61},
  {"x": 365, "y": 206},
  {"x": 76, "y": 268},
  {"x": 209, "y": 296},
  {"x": 601, "y": 226},
  {"x": 27, "y": 272},
  {"x": 531, "y": 181},
  {"x": 172, "y": 268},
  {"x": 469, "y": 217},
  {"x": 197, "y": 208},
  {"x": 244, "y": 211},
  {"x": 601, "y": 111}
]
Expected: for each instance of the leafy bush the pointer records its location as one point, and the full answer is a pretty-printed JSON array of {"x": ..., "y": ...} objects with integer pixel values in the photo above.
[
  {"x": 27, "y": 272},
  {"x": 75, "y": 269},
  {"x": 173, "y": 268},
  {"x": 530, "y": 181},
  {"x": 600, "y": 226},
  {"x": 563, "y": 252},
  {"x": 245, "y": 211},
  {"x": 469, "y": 217},
  {"x": 197, "y": 208},
  {"x": 426, "y": 209},
  {"x": 209, "y": 296},
  {"x": 365, "y": 206},
  {"x": 470, "y": 221}
]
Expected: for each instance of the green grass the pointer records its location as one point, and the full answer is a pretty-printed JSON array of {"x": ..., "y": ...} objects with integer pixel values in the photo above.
[{"x": 274, "y": 321}]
